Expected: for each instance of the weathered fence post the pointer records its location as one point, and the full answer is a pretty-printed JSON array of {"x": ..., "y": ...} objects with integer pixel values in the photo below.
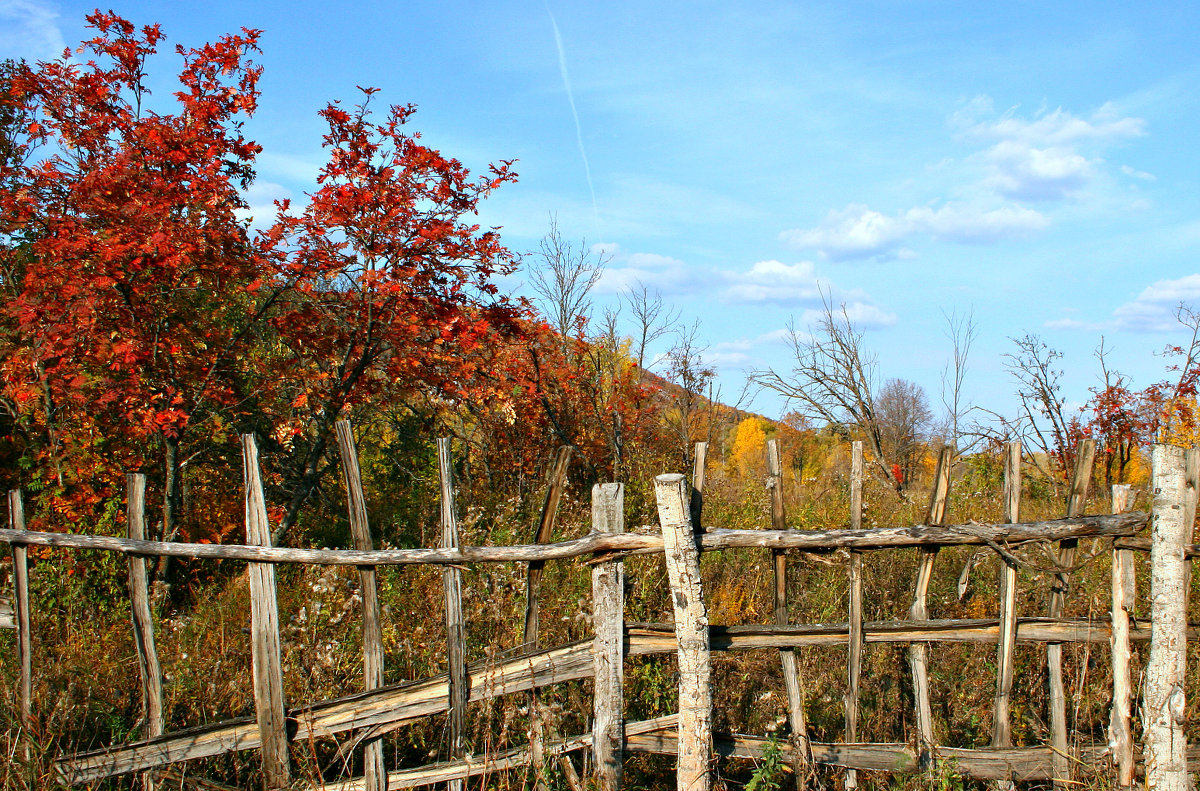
[
  {"x": 691, "y": 634},
  {"x": 696, "y": 501},
  {"x": 143, "y": 622},
  {"x": 1124, "y": 593},
  {"x": 1163, "y": 705},
  {"x": 16, "y": 521},
  {"x": 374, "y": 772},
  {"x": 787, "y": 656},
  {"x": 1082, "y": 477},
  {"x": 608, "y": 648},
  {"x": 1001, "y": 727},
  {"x": 855, "y": 637},
  {"x": 264, "y": 630},
  {"x": 457, "y": 684},
  {"x": 918, "y": 652},
  {"x": 533, "y": 584}
]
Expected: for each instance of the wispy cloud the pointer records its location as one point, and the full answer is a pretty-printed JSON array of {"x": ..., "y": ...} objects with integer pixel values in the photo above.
[
  {"x": 1153, "y": 310},
  {"x": 29, "y": 29},
  {"x": 566, "y": 78}
]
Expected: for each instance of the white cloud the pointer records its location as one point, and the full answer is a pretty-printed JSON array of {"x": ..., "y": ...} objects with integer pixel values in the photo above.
[
  {"x": 29, "y": 29},
  {"x": 1055, "y": 128},
  {"x": 863, "y": 315},
  {"x": 260, "y": 200},
  {"x": 773, "y": 281},
  {"x": 624, "y": 271},
  {"x": 1026, "y": 173},
  {"x": 1154, "y": 308},
  {"x": 1138, "y": 174},
  {"x": 861, "y": 232}
]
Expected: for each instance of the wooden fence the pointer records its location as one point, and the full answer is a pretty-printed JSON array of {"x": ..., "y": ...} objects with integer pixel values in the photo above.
[{"x": 379, "y": 709}]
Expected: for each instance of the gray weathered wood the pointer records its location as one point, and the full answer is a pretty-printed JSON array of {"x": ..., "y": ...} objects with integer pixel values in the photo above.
[
  {"x": 458, "y": 685},
  {"x": 693, "y": 770},
  {"x": 1080, "y": 479},
  {"x": 374, "y": 771},
  {"x": 143, "y": 621},
  {"x": 608, "y": 648},
  {"x": 696, "y": 503},
  {"x": 8, "y": 619},
  {"x": 1124, "y": 592},
  {"x": 16, "y": 521},
  {"x": 637, "y": 541},
  {"x": 919, "y": 611},
  {"x": 854, "y": 645},
  {"x": 1005, "y": 647},
  {"x": 264, "y": 631},
  {"x": 1164, "y": 704},
  {"x": 787, "y": 656}
]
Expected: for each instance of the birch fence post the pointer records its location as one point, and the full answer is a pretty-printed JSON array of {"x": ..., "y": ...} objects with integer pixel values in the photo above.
[
  {"x": 374, "y": 772},
  {"x": 457, "y": 683},
  {"x": 693, "y": 771},
  {"x": 787, "y": 656},
  {"x": 264, "y": 630},
  {"x": 143, "y": 621},
  {"x": 918, "y": 652},
  {"x": 1080, "y": 480},
  {"x": 1164, "y": 703},
  {"x": 1006, "y": 645},
  {"x": 608, "y": 648},
  {"x": 1124, "y": 593},
  {"x": 16, "y": 521},
  {"x": 855, "y": 637},
  {"x": 533, "y": 585}
]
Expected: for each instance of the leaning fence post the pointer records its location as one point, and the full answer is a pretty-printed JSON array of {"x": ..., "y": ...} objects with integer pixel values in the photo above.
[
  {"x": 374, "y": 772},
  {"x": 1060, "y": 758},
  {"x": 1001, "y": 726},
  {"x": 787, "y": 656},
  {"x": 691, "y": 634},
  {"x": 1164, "y": 707},
  {"x": 608, "y": 648},
  {"x": 264, "y": 627},
  {"x": 16, "y": 521},
  {"x": 455, "y": 628},
  {"x": 1124, "y": 592},
  {"x": 855, "y": 637},
  {"x": 143, "y": 622},
  {"x": 918, "y": 652}
]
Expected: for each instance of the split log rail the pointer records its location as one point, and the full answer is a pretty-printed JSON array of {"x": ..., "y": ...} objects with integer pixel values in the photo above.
[{"x": 687, "y": 735}]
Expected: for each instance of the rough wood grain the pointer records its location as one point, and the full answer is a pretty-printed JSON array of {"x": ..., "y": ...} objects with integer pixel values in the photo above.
[
  {"x": 374, "y": 771},
  {"x": 1080, "y": 479},
  {"x": 264, "y": 631},
  {"x": 150, "y": 674},
  {"x": 854, "y": 645},
  {"x": 1005, "y": 647},
  {"x": 8, "y": 618},
  {"x": 1164, "y": 701},
  {"x": 633, "y": 542},
  {"x": 456, "y": 642},
  {"x": 16, "y": 522},
  {"x": 608, "y": 648},
  {"x": 1124, "y": 593},
  {"x": 919, "y": 611},
  {"x": 693, "y": 771},
  {"x": 696, "y": 502},
  {"x": 787, "y": 656}
]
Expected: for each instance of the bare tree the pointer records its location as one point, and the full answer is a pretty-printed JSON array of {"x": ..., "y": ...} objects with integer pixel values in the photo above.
[
  {"x": 1034, "y": 366},
  {"x": 832, "y": 380},
  {"x": 564, "y": 279},
  {"x": 902, "y": 411},
  {"x": 690, "y": 416},
  {"x": 961, "y": 331},
  {"x": 651, "y": 320}
]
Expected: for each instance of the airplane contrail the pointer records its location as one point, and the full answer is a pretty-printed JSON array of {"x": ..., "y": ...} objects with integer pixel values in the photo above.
[{"x": 566, "y": 78}]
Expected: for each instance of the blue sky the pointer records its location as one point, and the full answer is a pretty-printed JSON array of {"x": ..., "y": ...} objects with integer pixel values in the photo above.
[{"x": 1031, "y": 163}]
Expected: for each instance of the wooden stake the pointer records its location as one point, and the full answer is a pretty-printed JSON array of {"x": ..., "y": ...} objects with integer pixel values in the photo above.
[
  {"x": 697, "y": 495},
  {"x": 264, "y": 630},
  {"x": 608, "y": 648},
  {"x": 16, "y": 521},
  {"x": 1001, "y": 725},
  {"x": 693, "y": 770},
  {"x": 456, "y": 654},
  {"x": 919, "y": 611},
  {"x": 1164, "y": 705},
  {"x": 1080, "y": 480},
  {"x": 787, "y": 656},
  {"x": 143, "y": 622},
  {"x": 855, "y": 637},
  {"x": 374, "y": 772},
  {"x": 1124, "y": 593}
]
